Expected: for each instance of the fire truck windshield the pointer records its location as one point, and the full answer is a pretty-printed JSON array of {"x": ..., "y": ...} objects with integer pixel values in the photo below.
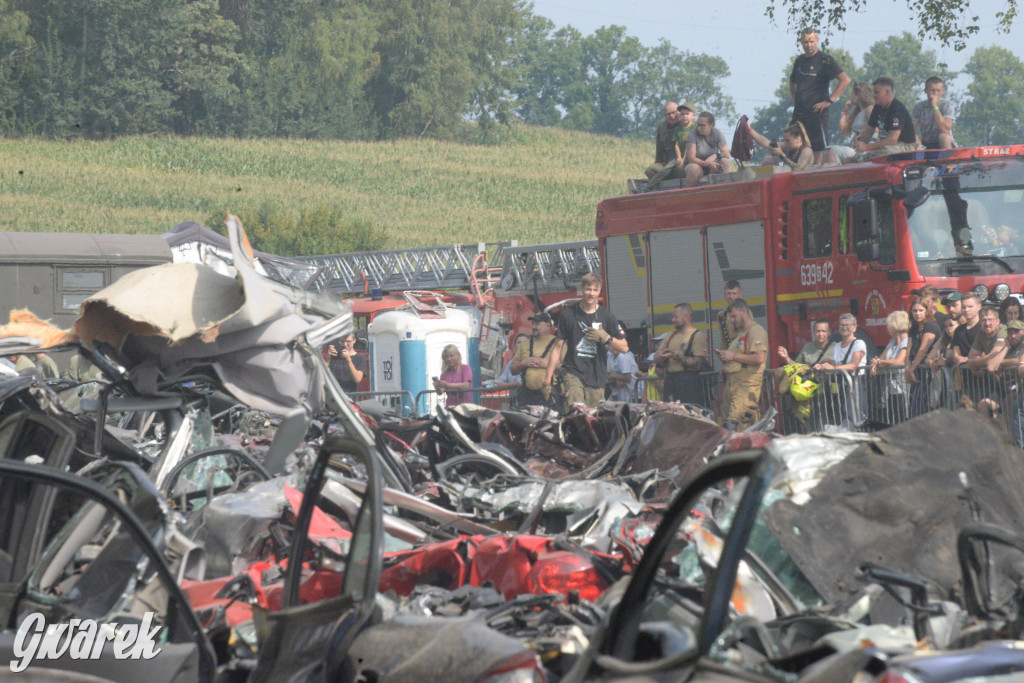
[{"x": 973, "y": 210}]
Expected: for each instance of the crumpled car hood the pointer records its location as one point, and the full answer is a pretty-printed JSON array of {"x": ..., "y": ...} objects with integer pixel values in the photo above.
[
  {"x": 176, "y": 320},
  {"x": 897, "y": 501}
]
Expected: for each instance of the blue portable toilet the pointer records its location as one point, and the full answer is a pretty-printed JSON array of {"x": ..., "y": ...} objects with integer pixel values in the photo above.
[{"x": 405, "y": 352}]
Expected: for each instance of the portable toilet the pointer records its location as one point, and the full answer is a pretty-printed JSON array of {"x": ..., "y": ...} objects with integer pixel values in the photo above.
[{"x": 405, "y": 352}]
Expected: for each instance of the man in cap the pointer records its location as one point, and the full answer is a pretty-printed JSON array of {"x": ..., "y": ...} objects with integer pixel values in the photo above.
[
  {"x": 1014, "y": 347},
  {"x": 954, "y": 305},
  {"x": 530, "y": 360},
  {"x": 673, "y": 166}
]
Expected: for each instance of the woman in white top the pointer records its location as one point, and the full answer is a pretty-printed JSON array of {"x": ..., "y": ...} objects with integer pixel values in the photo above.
[
  {"x": 849, "y": 354},
  {"x": 853, "y": 119},
  {"x": 894, "y": 356}
]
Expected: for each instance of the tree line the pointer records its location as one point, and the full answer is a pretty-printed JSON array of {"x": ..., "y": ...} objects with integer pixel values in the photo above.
[{"x": 384, "y": 69}]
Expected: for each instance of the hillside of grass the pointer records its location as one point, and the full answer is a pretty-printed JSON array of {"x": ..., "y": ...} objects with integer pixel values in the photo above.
[{"x": 538, "y": 185}]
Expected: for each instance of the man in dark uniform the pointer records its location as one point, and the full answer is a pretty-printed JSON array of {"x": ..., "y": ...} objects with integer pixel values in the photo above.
[
  {"x": 891, "y": 119},
  {"x": 809, "y": 81},
  {"x": 665, "y": 144}
]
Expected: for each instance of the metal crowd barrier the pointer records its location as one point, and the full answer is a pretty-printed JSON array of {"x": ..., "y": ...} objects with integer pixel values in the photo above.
[
  {"x": 427, "y": 400},
  {"x": 991, "y": 393},
  {"x": 399, "y": 401},
  {"x": 865, "y": 402},
  {"x": 847, "y": 400},
  {"x": 839, "y": 400}
]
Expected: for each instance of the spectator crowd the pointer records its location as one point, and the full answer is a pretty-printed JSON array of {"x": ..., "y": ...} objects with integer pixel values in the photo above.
[{"x": 873, "y": 122}]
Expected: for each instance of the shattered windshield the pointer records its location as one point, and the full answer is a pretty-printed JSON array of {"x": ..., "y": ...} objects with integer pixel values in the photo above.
[{"x": 972, "y": 209}]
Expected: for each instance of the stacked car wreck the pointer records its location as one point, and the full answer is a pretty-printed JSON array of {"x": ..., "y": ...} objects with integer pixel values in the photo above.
[{"x": 215, "y": 491}]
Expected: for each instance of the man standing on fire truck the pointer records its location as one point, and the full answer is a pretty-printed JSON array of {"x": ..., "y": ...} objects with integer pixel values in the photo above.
[
  {"x": 809, "y": 81},
  {"x": 587, "y": 330},
  {"x": 744, "y": 363}
]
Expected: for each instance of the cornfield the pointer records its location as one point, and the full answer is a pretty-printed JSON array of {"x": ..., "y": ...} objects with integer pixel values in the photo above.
[{"x": 539, "y": 185}]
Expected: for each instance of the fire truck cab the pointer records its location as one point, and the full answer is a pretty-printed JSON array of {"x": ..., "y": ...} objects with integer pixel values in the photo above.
[{"x": 859, "y": 238}]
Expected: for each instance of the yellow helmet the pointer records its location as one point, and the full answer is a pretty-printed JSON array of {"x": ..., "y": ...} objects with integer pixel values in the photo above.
[
  {"x": 802, "y": 388},
  {"x": 791, "y": 369}
]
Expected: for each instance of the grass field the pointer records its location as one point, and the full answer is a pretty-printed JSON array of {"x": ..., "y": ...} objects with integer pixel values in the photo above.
[{"x": 539, "y": 185}]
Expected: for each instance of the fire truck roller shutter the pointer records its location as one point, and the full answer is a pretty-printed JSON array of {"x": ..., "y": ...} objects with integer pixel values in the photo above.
[
  {"x": 737, "y": 252},
  {"x": 625, "y": 270},
  {"x": 677, "y": 276}
]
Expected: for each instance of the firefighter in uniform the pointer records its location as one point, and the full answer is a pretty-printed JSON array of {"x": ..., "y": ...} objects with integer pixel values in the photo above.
[
  {"x": 733, "y": 291},
  {"x": 743, "y": 364}
]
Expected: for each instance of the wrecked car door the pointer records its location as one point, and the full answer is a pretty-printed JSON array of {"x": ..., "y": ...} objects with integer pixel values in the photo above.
[
  {"x": 36, "y": 439},
  {"x": 294, "y": 640},
  {"x": 99, "y": 599},
  {"x": 654, "y": 632}
]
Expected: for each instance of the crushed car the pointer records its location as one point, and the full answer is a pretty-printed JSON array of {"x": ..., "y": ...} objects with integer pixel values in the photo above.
[{"x": 620, "y": 544}]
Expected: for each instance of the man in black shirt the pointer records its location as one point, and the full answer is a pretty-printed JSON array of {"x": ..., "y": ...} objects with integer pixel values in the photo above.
[
  {"x": 891, "y": 119},
  {"x": 964, "y": 336},
  {"x": 809, "y": 81},
  {"x": 346, "y": 364},
  {"x": 587, "y": 330}
]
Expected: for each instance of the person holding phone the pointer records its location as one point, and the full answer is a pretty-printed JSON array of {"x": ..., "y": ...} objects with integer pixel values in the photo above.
[
  {"x": 455, "y": 378},
  {"x": 587, "y": 330},
  {"x": 346, "y": 364}
]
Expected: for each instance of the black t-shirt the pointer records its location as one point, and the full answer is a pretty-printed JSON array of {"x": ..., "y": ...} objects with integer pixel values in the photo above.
[
  {"x": 893, "y": 117},
  {"x": 586, "y": 359},
  {"x": 963, "y": 338},
  {"x": 339, "y": 368},
  {"x": 812, "y": 76},
  {"x": 916, "y": 334}
]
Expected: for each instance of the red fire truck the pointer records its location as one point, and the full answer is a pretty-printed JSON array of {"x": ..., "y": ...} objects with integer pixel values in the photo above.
[{"x": 858, "y": 238}]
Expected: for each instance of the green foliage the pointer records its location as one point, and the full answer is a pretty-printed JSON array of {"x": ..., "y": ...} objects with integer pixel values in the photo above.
[
  {"x": 437, "y": 60},
  {"x": 608, "y": 82},
  {"x": 15, "y": 46},
  {"x": 951, "y": 21},
  {"x": 994, "y": 111},
  {"x": 318, "y": 229}
]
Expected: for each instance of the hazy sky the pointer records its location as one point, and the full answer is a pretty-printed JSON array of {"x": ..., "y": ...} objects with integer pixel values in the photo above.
[{"x": 756, "y": 51}]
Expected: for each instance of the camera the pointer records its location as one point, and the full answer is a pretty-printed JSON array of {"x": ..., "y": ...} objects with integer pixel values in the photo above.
[{"x": 773, "y": 144}]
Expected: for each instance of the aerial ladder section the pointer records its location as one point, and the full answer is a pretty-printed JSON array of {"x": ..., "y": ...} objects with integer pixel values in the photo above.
[{"x": 505, "y": 267}]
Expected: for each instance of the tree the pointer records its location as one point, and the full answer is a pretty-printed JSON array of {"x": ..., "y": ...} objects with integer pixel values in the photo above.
[
  {"x": 667, "y": 74},
  {"x": 15, "y": 47},
  {"x": 993, "y": 113},
  {"x": 952, "y": 22},
  {"x": 598, "y": 104},
  {"x": 111, "y": 67},
  {"x": 435, "y": 59},
  {"x": 608, "y": 82},
  {"x": 310, "y": 84}
]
